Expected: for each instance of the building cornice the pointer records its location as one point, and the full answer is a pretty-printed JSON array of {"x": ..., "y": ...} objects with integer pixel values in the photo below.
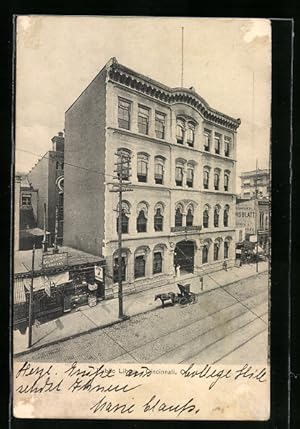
[{"x": 147, "y": 86}]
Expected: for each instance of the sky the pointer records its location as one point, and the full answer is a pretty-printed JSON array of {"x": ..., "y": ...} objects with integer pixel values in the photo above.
[{"x": 227, "y": 61}]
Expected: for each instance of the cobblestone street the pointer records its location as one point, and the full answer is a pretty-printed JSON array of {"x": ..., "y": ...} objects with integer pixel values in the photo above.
[{"x": 228, "y": 325}]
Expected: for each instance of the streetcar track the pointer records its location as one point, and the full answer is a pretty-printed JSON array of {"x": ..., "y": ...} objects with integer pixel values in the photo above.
[
  {"x": 217, "y": 341},
  {"x": 188, "y": 325},
  {"x": 239, "y": 346}
]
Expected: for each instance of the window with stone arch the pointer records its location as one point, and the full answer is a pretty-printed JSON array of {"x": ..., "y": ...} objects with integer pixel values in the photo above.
[
  {"x": 140, "y": 259},
  {"x": 178, "y": 215},
  {"x": 226, "y": 247},
  {"x": 190, "y": 174},
  {"x": 158, "y": 253},
  {"x": 124, "y": 262},
  {"x": 206, "y": 216},
  {"x": 226, "y": 180},
  {"x": 159, "y": 166},
  {"x": 216, "y": 216},
  {"x": 180, "y": 130},
  {"x": 125, "y": 212},
  {"x": 226, "y": 215},
  {"x": 217, "y": 173},
  {"x": 217, "y": 245},
  {"x": 190, "y": 215},
  {"x": 158, "y": 217},
  {"x": 142, "y": 217},
  {"x": 191, "y": 126},
  {"x": 179, "y": 171},
  {"x": 206, "y": 172},
  {"x": 142, "y": 166},
  {"x": 205, "y": 252}
]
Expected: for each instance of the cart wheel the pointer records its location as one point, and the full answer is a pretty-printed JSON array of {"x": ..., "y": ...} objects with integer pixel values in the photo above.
[
  {"x": 194, "y": 298},
  {"x": 183, "y": 300}
]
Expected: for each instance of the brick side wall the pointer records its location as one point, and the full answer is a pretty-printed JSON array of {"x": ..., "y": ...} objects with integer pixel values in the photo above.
[{"x": 83, "y": 188}]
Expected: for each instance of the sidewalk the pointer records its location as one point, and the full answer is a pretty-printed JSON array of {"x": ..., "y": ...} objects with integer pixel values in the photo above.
[{"x": 104, "y": 314}]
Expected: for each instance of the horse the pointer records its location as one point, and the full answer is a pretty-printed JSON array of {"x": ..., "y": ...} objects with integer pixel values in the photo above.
[{"x": 166, "y": 297}]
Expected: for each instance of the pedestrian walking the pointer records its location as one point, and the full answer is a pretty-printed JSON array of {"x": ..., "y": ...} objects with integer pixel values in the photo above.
[
  {"x": 225, "y": 265},
  {"x": 201, "y": 283}
]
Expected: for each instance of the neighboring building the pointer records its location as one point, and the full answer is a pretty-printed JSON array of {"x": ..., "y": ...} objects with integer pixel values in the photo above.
[
  {"x": 183, "y": 171},
  {"x": 47, "y": 177},
  {"x": 255, "y": 181},
  {"x": 60, "y": 283},
  {"x": 26, "y": 232},
  {"x": 254, "y": 216}
]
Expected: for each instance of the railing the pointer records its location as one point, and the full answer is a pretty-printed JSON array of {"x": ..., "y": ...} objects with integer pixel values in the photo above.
[{"x": 191, "y": 228}]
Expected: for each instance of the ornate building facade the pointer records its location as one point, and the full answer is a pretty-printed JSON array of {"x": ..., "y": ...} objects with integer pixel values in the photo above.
[{"x": 180, "y": 217}]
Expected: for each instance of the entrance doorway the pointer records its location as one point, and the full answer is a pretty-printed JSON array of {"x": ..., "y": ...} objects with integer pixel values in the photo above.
[{"x": 184, "y": 256}]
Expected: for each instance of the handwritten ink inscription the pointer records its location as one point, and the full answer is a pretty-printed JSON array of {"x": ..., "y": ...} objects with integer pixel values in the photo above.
[{"x": 110, "y": 393}]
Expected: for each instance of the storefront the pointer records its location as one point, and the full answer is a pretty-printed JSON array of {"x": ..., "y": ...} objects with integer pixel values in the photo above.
[{"x": 61, "y": 283}]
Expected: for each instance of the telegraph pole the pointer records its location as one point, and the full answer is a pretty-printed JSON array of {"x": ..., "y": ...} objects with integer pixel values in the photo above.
[
  {"x": 44, "y": 242},
  {"x": 30, "y": 316},
  {"x": 256, "y": 217},
  {"x": 123, "y": 185}
]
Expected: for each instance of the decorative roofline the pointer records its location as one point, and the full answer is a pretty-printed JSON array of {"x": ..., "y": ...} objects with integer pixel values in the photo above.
[{"x": 143, "y": 84}]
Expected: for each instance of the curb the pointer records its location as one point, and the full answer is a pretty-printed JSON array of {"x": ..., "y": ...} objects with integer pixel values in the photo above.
[{"x": 117, "y": 321}]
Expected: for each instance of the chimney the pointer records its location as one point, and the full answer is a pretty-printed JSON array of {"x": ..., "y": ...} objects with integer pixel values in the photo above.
[{"x": 58, "y": 142}]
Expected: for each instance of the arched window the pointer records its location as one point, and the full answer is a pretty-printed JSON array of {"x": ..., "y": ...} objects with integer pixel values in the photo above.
[
  {"x": 180, "y": 126},
  {"x": 207, "y": 139},
  {"x": 158, "y": 219},
  {"x": 178, "y": 216},
  {"x": 216, "y": 216},
  {"x": 226, "y": 249},
  {"x": 216, "y": 251},
  {"x": 205, "y": 254},
  {"x": 189, "y": 217},
  {"x": 190, "y": 134},
  {"x": 205, "y": 217},
  {"x": 139, "y": 266},
  {"x": 206, "y": 177},
  {"x": 261, "y": 221},
  {"x": 190, "y": 176},
  {"x": 216, "y": 179},
  {"x": 141, "y": 222},
  {"x": 159, "y": 170},
  {"x": 179, "y": 175},
  {"x": 123, "y": 163},
  {"x": 226, "y": 181},
  {"x": 124, "y": 218},
  {"x": 226, "y": 215},
  {"x": 157, "y": 262},
  {"x": 142, "y": 167}
]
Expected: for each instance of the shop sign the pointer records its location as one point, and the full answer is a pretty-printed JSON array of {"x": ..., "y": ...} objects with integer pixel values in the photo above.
[
  {"x": 54, "y": 260},
  {"x": 98, "y": 273}
]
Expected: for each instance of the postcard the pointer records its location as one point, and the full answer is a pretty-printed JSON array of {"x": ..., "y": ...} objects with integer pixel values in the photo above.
[{"x": 142, "y": 236}]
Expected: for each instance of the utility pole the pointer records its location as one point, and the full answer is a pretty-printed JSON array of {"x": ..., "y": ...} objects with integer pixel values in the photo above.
[
  {"x": 256, "y": 216},
  {"x": 182, "y": 52},
  {"x": 44, "y": 242},
  {"x": 123, "y": 185},
  {"x": 30, "y": 315},
  {"x": 55, "y": 250}
]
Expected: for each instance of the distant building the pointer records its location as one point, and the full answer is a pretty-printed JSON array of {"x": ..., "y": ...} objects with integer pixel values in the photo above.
[
  {"x": 47, "y": 178},
  {"x": 254, "y": 217},
  {"x": 255, "y": 181},
  {"x": 182, "y": 153}
]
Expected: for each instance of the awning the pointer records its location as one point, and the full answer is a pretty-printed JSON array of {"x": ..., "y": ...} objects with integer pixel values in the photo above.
[{"x": 44, "y": 282}]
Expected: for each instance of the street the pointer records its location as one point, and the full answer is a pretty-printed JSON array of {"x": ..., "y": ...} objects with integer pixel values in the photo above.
[{"x": 228, "y": 325}]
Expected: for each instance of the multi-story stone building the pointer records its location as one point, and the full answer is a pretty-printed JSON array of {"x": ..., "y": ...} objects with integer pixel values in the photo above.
[
  {"x": 255, "y": 184},
  {"x": 183, "y": 154}
]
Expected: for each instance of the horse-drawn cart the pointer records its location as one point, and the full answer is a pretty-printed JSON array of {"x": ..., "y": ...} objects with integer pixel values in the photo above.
[{"x": 185, "y": 296}]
